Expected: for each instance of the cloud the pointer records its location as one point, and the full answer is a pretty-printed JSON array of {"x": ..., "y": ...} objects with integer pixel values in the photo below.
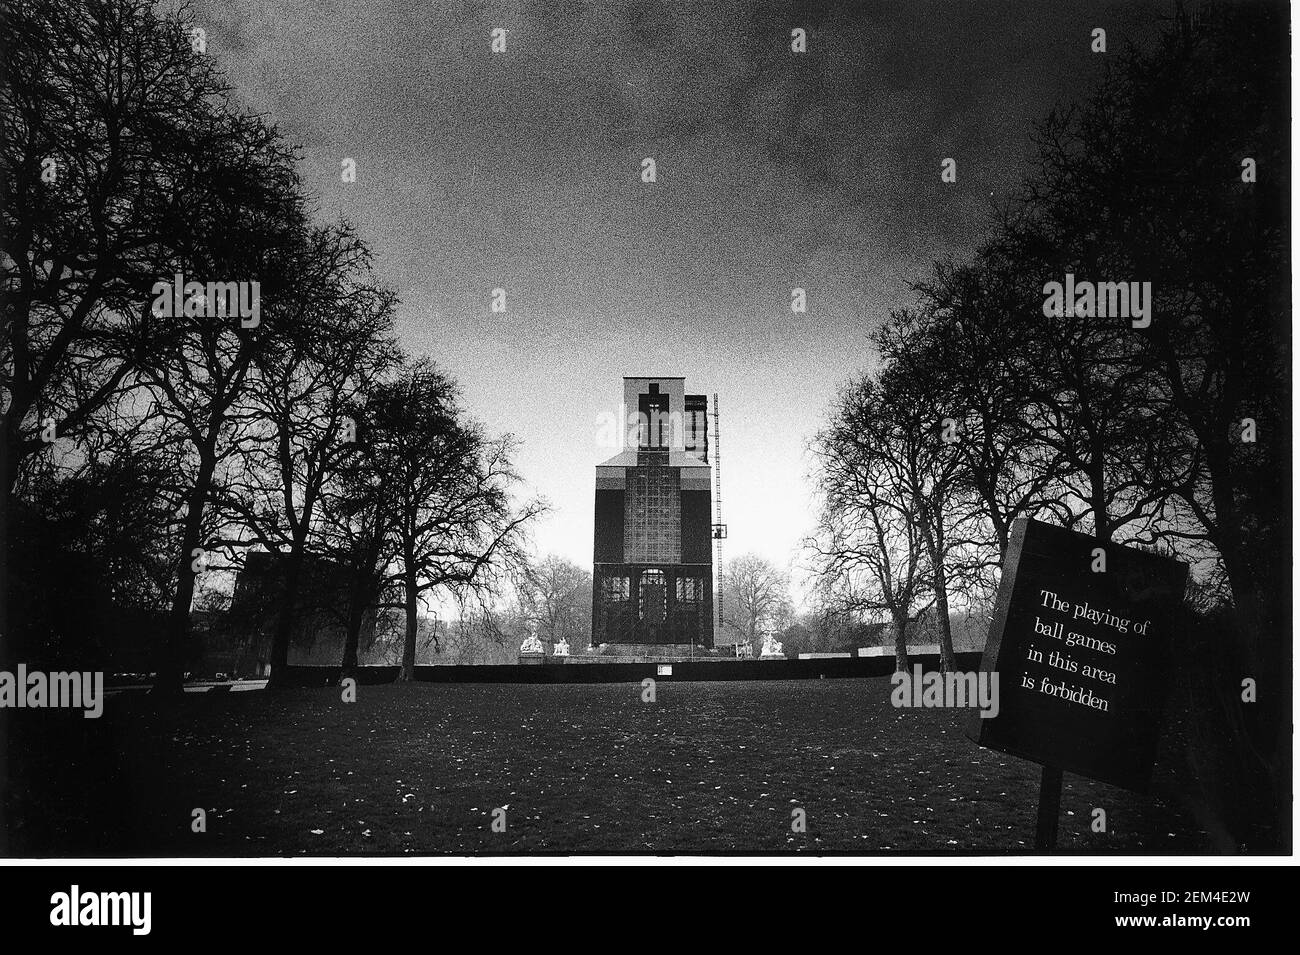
[{"x": 521, "y": 170}]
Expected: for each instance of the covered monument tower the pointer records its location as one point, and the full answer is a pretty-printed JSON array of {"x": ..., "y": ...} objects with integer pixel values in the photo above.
[{"x": 653, "y": 556}]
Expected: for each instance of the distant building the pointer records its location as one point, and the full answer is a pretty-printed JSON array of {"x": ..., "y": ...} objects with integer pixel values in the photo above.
[
  {"x": 653, "y": 554},
  {"x": 242, "y": 642}
]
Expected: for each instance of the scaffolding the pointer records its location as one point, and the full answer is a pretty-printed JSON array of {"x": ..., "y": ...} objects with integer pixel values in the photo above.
[{"x": 719, "y": 528}]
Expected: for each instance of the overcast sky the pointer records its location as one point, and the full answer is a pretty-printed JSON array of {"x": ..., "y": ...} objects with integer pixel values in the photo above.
[{"x": 522, "y": 170}]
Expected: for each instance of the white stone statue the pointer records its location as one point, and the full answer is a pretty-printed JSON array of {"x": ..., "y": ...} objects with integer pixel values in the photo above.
[
  {"x": 772, "y": 646},
  {"x": 532, "y": 645},
  {"x": 561, "y": 648}
]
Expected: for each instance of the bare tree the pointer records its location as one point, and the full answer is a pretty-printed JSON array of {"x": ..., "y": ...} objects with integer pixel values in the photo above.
[
  {"x": 869, "y": 554},
  {"x": 118, "y": 157},
  {"x": 959, "y": 341},
  {"x": 307, "y": 399},
  {"x": 196, "y": 372},
  {"x": 455, "y": 527},
  {"x": 558, "y": 599},
  {"x": 355, "y": 534},
  {"x": 1176, "y": 172},
  {"x": 756, "y": 597}
]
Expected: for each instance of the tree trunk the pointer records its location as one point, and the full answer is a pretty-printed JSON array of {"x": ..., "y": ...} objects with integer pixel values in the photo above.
[
  {"x": 412, "y": 624},
  {"x": 901, "y": 663},
  {"x": 10, "y": 463},
  {"x": 171, "y": 671},
  {"x": 947, "y": 656},
  {"x": 1101, "y": 528},
  {"x": 947, "y": 659},
  {"x": 5, "y": 541},
  {"x": 352, "y": 638},
  {"x": 1260, "y": 625}
]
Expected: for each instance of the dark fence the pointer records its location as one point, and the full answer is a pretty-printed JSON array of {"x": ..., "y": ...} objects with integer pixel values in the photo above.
[{"x": 826, "y": 667}]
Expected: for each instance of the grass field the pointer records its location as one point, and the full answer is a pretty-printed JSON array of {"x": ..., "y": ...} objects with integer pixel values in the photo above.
[{"x": 418, "y": 769}]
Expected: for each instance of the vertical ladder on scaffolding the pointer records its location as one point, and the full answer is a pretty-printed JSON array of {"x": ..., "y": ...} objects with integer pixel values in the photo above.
[{"x": 719, "y": 528}]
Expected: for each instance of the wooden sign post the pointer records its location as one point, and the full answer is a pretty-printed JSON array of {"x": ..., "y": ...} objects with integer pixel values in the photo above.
[
  {"x": 1049, "y": 809},
  {"x": 1081, "y": 640}
]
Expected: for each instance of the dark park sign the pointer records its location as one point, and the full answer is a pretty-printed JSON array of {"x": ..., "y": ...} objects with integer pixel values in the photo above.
[{"x": 1081, "y": 640}]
